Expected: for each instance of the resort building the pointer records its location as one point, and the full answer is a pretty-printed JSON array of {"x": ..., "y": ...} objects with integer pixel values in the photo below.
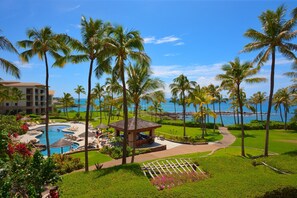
[{"x": 32, "y": 100}]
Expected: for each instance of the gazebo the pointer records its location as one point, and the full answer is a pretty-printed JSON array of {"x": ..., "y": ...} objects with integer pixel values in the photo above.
[{"x": 142, "y": 126}]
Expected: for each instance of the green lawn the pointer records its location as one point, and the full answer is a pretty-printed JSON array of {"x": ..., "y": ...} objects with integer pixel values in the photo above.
[
  {"x": 281, "y": 141},
  {"x": 169, "y": 130},
  {"x": 229, "y": 174},
  {"x": 94, "y": 157}
]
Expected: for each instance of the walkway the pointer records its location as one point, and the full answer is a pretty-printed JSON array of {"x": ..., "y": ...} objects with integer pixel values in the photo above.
[{"x": 227, "y": 140}]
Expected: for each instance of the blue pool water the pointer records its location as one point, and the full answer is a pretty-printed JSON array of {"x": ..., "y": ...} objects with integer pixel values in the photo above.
[{"x": 55, "y": 133}]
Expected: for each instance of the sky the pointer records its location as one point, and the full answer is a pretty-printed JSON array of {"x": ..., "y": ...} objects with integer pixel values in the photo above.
[{"x": 190, "y": 37}]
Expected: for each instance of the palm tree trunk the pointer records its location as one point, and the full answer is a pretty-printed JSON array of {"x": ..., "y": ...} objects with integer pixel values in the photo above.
[
  {"x": 220, "y": 111},
  {"x": 286, "y": 116},
  {"x": 202, "y": 122},
  {"x": 214, "y": 119},
  {"x": 46, "y": 106},
  {"x": 269, "y": 102},
  {"x": 241, "y": 120},
  {"x": 134, "y": 141},
  {"x": 125, "y": 111},
  {"x": 184, "y": 116},
  {"x": 256, "y": 112},
  {"x": 78, "y": 105},
  {"x": 237, "y": 112},
  {"x": 87, "y": 117},
  {"x": 110, "y": 110},
  {"x": 234, "y": 116},
  {"x": 281, "y": 113},
  {"x": 100, "y": 109},
  {"x": 207, "y": 115},
  {"x": 261, "y": 111}
]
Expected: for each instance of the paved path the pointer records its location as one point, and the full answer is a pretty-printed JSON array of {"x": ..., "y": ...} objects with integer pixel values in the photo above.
[{"x": 227, "y": 140}]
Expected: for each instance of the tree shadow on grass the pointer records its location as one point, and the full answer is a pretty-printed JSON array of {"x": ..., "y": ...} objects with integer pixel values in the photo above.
[
  {"x": 291, "y": 153},
  {"x": 246, "y": 136},
  {"x": 132, "y": 168}
]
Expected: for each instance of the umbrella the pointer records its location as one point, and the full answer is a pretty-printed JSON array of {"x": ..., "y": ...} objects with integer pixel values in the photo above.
[
  {"x": 43, "y": 117},
  {"x": 25, "y": 119},
  {"x": 61, "y": 143},
  {"x": 89, "y": 135},
  {"x": 102, "y": 126}
]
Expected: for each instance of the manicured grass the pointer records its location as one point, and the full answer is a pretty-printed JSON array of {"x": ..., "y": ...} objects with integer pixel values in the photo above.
[
  {"x": 229, "y": 176},
  {"x": 190, "y": 131},
  {"x": 281, "y": 141},
  {"x": 94, "y": 157}
]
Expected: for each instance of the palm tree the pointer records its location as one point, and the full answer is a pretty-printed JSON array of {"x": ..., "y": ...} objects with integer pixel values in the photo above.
[
  {"x": 221, "y": 99},
  {"x": 253, "y": 101},
  {"x": 235, "y": 74},
  {"x": 157, "y": 98},
  {"x": 202, "y": 98},
  {"x": 41, "y": 43},
  {"x": 112, "y": 87},
  {"x": 67, "y": 101},
  {"x": 182, "y": 86},
  {"x": 283, "y": 97},
  {"x": 261, "y": 97},
  {"x": 98, "y": 91},
  {"x": 214, "y": 92},
  {"x": 174, "y": 100},
  {"x": 124, "y": 46},
  {"x": 140, "y": 84},
  {"x": 293, "y": 75},
  {"x": 79, "y": 90},
  {"x": 276, "y": 35},
  {"x": 91, "y": 49},
  {"x": 7, "y": 66}
]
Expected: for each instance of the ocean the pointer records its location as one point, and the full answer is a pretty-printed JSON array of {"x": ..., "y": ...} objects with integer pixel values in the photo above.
[{"x": 225, "y": 107}]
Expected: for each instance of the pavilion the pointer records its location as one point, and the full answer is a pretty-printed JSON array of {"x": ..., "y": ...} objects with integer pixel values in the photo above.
[{"x": 133, "y": 133}]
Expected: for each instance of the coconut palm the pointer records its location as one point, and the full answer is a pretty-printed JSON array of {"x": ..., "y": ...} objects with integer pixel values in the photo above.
[
  {"x": 221, "y": 99},
  {"x": 234, "y": 74},
  {"x": 202, "y": 98},
  {"x": 42, "y": 43},
  {"x": 174, "y": 100},
  {"x": 125, "y": 46},
  {"x": 98, "y": 91},
  {"x": 91, "y": 50},
  {"x": 157, "y": 98},
  {"x": 7, "y": 66},
  {"x": 140, "y": 84},
  {"x": 67, "y": 101},
  {"x": 293, "y": 75},
  {"x": 214, "y": 91},
  {"x": 283, "y": 97},
  {"x": 182, "y": 86},
  {"x": 276, "y": 36},
  {"x": 112, "y": 87},
  {"x": 261, "y": 97},
  {"x": 79, "y": 90}
]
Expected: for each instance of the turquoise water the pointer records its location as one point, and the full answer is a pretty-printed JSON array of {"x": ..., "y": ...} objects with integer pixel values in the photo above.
[
  {"x": 55, "y": 133},
  {"x": 225, "y": 107}
]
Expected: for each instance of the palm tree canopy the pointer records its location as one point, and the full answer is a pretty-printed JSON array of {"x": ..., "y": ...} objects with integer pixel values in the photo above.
[
  {"x": 236, "y": 73},
  {"x": 44, "y": 41},
  {"x": 181, "y": 86},
  {"x": 7, "y": 66},
  {"x": 80, "y": 89},
  {"x": 277, "y": 32}
]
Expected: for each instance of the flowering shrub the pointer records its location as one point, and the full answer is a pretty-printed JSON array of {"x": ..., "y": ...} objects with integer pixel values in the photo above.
[
  {"x": 66, "y": 163},
  {"x": 168, "y": 181}
]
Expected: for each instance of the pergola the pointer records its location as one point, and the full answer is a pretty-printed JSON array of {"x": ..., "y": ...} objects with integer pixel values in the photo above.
[{"x": 142, "y": 126}]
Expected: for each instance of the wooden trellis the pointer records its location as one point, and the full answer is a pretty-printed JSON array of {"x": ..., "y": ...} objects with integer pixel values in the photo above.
[{"x": 170, "y": 166}]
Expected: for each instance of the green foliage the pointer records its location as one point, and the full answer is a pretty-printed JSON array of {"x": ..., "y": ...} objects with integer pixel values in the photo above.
[
  {"x": 116, "y": 150},
  {"x": 66, "y": 163},
  {"x": 281, "y": 193},
  {"x": 258, "y": 125},
  {"x": 26, "y": 176},
  {"x": 10, "y": 124}
]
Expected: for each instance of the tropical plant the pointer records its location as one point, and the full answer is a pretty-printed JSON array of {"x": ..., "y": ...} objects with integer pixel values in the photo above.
[
  {"x": 112, "y": 87},
  {"x": 283, "y": 97},
  {"x": 140, "y": 84},
  {"x": 174, "y": 100},
  {"x": 42, "y": 43},
  {"x": 234, "y": 74},
  {"x": 91, "y": 49},
  {"x": 67, "y": 101},
  {"x": 98, "y": 92},
  {"x": 79, "y": 90},
  {"x": 125, "y": 46},
  {"x": 7, "y": 66},
  {"x": 293, "y": 75},
  {"x": 214, "y": 91},
  {"x": 221, "y": 99},
  {"x": 182, "y": 86},
  {"x": 276, "y": 36}
]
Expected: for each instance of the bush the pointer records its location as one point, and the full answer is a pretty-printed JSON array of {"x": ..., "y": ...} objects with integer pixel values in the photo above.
[
  {"x": 286, "y": 192},
  {"x": 116, "y": 150},
  {"x": 66, "y": 163}
]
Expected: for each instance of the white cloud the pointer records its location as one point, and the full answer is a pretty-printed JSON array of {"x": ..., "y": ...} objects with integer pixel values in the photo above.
[
  {"x": 72, "y": 8},
  {"x": 171, "y": 54},
  {"x": 179, "y": 43},
  {"x": 23, "y": 65},
  {"x": 166, "y": 39}
]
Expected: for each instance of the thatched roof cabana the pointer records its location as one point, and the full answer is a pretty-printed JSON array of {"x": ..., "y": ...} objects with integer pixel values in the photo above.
[
  {"x": 142, "y": 126},
  {"x": 61, "y": 143}
]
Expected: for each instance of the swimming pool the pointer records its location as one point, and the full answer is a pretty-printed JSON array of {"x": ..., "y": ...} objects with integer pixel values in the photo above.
[{"x": 55, "y": 133}]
